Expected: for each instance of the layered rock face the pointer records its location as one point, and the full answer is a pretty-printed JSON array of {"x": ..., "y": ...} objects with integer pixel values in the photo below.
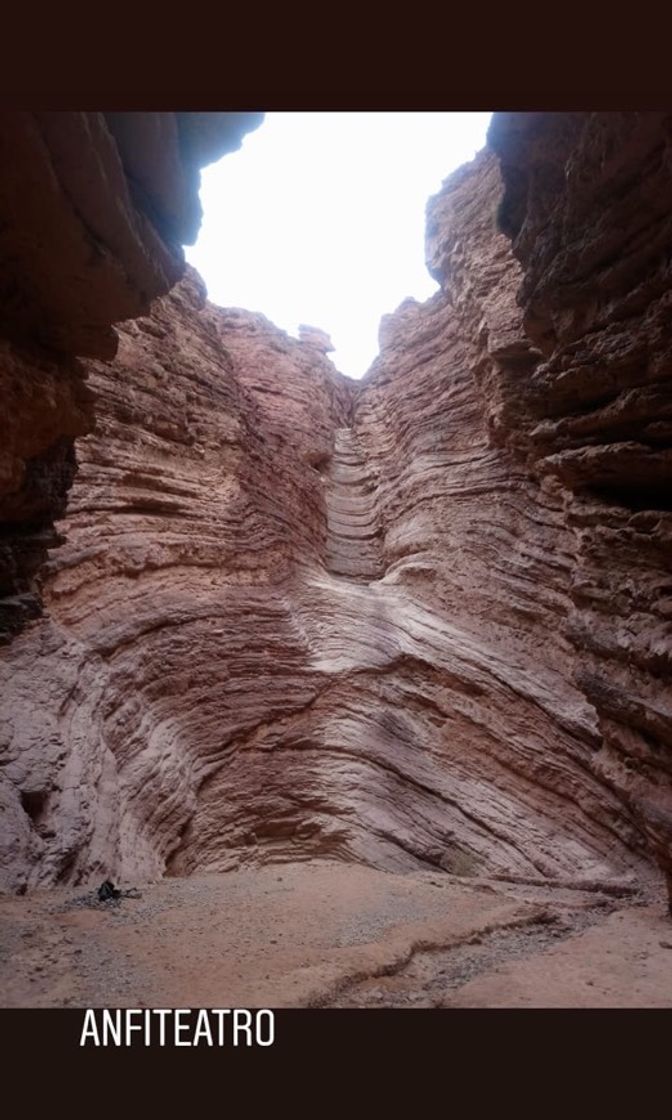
[
  {"x": 588, "y": 203},
  {"x": 94, "y": 210},
  {"x": 172, "y": 642},
  {"x": 294, "y": 616}
]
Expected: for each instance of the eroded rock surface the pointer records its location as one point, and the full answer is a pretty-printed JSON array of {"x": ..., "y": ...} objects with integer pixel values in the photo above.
[
  {"x": 94, "y": 210},
  {"x": 389, "y": 623},
  {"x": 588, "y": 202}
]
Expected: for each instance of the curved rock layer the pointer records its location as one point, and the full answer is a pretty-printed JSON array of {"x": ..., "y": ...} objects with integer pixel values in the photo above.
[
  {"x": 94, "y": 210},
  {"x": 295, "y": 617}
]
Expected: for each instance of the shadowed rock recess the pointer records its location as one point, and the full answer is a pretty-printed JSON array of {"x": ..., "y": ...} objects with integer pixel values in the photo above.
[
  {"x": 421, "y": 621},
  {"x": 94, "y": 210}
]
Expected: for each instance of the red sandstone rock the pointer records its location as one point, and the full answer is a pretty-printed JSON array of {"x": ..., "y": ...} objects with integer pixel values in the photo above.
[
  {"x": 316, "y": 337},
  {"x": 588, "y": 201},
  {"x": 388, "y": 623},
  {"x": 94, "y": 209}
]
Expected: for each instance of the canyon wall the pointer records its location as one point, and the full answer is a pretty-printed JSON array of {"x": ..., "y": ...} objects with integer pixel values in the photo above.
[
  {"x": 94, "y": 210},
  {"x": 588, "y": 203},
  {"x": 396, "y": 622}
]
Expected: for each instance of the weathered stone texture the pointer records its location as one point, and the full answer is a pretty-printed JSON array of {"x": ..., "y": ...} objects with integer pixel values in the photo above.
[
  {"x": 94, "y": 210},
  {"x": 423, "y": 620}
]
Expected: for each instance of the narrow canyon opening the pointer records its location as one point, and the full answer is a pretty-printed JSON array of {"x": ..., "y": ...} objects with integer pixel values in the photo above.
[{"x": 384, "y": 664}]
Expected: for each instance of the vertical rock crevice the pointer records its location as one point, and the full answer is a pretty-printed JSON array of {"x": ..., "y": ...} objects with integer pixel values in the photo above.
[{"x": 353, "y": 528}]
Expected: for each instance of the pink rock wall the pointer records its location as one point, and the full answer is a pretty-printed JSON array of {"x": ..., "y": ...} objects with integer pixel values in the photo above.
[
  {"x": 94, "y": 210},
  {"x": 297, "y": 616}
]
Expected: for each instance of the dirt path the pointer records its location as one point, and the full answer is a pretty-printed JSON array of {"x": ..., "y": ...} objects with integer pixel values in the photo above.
[{"x": 326, "y": 934}]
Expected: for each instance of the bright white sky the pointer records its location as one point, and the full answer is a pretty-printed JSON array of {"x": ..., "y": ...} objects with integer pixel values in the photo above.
[{"x": 320, "y": 219}]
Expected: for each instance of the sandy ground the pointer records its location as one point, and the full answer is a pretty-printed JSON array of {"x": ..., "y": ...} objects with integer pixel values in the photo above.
[{"x": 326, "y": 934}]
